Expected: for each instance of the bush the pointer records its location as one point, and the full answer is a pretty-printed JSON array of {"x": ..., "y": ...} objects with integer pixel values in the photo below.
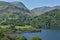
[
  {"x": 19, "y": 38},
  {"x": 36, "y": 38},
  {"x": 5, "y": 38}
]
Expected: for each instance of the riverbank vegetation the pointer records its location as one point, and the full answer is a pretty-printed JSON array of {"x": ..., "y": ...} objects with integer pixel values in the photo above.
[
  {"x": 6, "y": 37},
  {"x": 18, "y": 29}
]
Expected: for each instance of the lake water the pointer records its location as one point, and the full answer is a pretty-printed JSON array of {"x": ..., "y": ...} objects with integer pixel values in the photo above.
[{"x": 45, "y": 35}]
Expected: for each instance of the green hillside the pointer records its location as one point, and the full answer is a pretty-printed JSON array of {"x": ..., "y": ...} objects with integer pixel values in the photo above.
[
  {"x": 49, "y": 20},
  {"x": 13, "y": 13},
  {"x": 16, "y": 13}
]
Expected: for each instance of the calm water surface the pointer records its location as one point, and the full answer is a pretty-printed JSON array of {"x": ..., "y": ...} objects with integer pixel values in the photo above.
[{"x": 45, "y": 35}]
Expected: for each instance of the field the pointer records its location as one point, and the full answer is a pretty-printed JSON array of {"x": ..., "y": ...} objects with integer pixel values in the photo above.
[
  {"x": 22, "y": 27},
  {"x": 4, "y": 27},
  {"x": 17, "y": 27}
]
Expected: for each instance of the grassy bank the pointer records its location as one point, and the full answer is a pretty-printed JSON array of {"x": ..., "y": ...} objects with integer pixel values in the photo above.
[{"x": 18, "y": 29}]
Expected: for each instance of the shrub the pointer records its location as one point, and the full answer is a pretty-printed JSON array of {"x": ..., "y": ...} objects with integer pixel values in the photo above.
[
  {"x": 19, "y": 38},
  {"x": 36, "y": 38}
]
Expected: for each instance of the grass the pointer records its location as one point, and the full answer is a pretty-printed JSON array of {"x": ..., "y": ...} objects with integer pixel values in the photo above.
[
  {"x": 23, "y": 27},
  {"x": 4, "y": 27},
  {"x": 18, "y": 27}
]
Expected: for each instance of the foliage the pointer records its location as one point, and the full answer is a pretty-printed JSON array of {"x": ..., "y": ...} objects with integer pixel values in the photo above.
[
  {"x": 6, "y": 37},
  {"x": 49, "y": 20},
  {"x": 14, "y": 13},
  {"x": 36, "y": 38},
  {"x": 19, "y": 38},
  {"x": 18, "y": 29}
]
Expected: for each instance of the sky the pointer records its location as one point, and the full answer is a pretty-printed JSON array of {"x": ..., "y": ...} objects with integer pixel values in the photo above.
[{"x": 37, "y": 3}]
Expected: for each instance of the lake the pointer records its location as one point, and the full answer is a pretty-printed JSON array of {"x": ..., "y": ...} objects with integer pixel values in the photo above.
[{"x": 45, "y": 35}]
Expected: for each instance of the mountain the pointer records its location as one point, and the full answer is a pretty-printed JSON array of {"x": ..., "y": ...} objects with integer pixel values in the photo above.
[
  {"x": 41, "y": 10},
  {"x": 49, "y": 20},
  {"x": 20, "y": 5},
  {"x": 14, "y": 6},
  {"x": 14, "y": 13}
]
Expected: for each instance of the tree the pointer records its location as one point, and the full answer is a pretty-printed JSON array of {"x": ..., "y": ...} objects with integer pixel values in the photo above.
[
  {"x": 12, "y": 27},
  {"x": 1, "y": 35},
  {"x": 5, "y": 38}
]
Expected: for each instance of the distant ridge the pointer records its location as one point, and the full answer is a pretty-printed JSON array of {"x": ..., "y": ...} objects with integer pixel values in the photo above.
[{"x": 41, "y": 10}]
